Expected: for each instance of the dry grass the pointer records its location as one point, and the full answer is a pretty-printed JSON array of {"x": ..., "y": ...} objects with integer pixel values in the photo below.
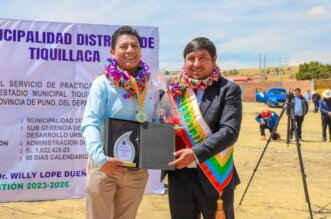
[{"x": 275, "y": 192}]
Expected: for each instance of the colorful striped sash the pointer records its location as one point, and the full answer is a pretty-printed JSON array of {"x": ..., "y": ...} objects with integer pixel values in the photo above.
[{"x": 219, "y": 168}]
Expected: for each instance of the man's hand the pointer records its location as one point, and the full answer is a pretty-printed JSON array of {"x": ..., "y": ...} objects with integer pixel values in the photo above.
[
  {"x": 185, "y": 158},
  {"x": 262, "y": 122},
  {"x": 112, "y": 165},
  {"x": 329, "y": 114}
]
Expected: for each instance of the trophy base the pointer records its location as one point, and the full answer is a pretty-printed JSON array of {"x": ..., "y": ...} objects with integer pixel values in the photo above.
[{"x": 129, "y": 164}]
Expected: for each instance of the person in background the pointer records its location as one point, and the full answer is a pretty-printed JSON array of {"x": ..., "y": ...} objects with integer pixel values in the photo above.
[
  {"x": 316, "y": 97},
  {"x": 112, "y": 191},
  {"x": 267, "y": 120},
  {"x": 300, "y": 107},
  {"x": 325, "y": 108},
  {"x": 307, "y": 96}
]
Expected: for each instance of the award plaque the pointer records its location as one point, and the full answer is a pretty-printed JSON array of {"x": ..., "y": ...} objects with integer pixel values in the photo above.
[
  {"x": 121, "y": 141},
  {"x": 146, "y": 145},
  {"x": 124, "y": 148}
]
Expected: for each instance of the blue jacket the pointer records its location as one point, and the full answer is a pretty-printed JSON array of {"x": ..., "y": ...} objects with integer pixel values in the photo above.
[
  {"x": 270, "y": 121},
  {"x": 325, "y": 107}
]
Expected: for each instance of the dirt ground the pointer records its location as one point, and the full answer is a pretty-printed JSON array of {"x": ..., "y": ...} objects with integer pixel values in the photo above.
[{"x": 276, "y": 191}]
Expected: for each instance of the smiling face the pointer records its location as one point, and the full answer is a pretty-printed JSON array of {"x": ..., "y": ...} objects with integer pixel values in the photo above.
[
  {"x": 127, "y": 52},
  {"x": 199, "y": 64}
]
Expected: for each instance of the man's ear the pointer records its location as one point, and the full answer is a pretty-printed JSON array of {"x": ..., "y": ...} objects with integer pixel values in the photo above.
[
  {"x": 112, "y": 52},
  {"x": 214, "y": 60}
]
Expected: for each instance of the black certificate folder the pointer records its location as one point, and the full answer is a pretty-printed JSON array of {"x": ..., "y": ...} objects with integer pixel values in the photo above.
[
  {"x": 147, "y": 145},
  {"x": 157, "y": 142}
]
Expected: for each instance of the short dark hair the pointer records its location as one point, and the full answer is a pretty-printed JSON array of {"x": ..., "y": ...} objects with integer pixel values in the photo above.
[
  {"x": 200, "y": 43},
  {"x": 297, "y": 89},
  {"x": 124, "y": 30}
]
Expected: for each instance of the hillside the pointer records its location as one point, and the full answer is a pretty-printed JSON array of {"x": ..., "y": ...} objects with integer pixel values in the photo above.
[
  {"x": 272, "y": 73},
  {"x": 287, "y": 72}
]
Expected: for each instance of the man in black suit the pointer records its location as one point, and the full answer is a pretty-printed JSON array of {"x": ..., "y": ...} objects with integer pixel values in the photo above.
[{"x": 191, "y": 192}]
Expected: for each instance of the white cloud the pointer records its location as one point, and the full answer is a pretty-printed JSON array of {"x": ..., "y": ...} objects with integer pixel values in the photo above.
[
  {"x": 171, "y": 66},
  {"x": 318, "y": 54},
  {"x": 240, "y": 29},
  {"x": 317, "y": 11},
  {"x": 235, "y": 64}
]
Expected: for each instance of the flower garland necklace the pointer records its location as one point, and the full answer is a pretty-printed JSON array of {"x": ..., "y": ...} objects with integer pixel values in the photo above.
[
  {"x": 179, "y": 84},
  {"x": 121, "y": 78}
]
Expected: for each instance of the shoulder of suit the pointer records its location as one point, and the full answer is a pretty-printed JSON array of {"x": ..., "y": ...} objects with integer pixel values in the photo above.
[{"x": 225, "y": 82}]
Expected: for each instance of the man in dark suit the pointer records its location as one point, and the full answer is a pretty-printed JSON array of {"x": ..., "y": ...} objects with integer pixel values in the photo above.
[{"x": 192, "y": 190}]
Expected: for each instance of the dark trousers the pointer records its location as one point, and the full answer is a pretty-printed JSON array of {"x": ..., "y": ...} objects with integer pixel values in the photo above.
[
  {"x": 316, "y": 105},
  {"x": 298, "y": 121},
  {"x": 263, "y": 127},
  {"x": 325, "y": 123},
  {"x": 187, "y": 200}
]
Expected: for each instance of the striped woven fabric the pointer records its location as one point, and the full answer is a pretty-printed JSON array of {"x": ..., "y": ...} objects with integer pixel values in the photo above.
[{"x": 219, "y": 168}]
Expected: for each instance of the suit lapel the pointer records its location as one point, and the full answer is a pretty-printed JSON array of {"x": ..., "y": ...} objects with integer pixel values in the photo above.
[{"x": 208, "y": 96}]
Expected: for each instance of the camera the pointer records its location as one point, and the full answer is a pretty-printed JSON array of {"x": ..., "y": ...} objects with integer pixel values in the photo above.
[{"x": 289, "y": 96}]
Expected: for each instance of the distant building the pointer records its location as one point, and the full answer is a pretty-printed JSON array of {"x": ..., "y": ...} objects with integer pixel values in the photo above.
[{"x": 239, "y": 78}]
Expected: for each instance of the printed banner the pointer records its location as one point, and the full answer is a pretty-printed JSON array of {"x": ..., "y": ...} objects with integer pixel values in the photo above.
[{"x": 46, "y": 71}]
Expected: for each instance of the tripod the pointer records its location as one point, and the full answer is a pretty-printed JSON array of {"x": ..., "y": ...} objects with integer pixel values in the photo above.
[{"x": 289, "y": 108}]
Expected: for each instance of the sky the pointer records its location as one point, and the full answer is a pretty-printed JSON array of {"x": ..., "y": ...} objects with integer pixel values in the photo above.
[{"x": 285, "y": 32}]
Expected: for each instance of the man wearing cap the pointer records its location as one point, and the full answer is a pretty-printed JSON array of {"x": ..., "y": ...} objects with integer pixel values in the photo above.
[
  {"x": 325, "y": 108},
  {"x": 267, "y": 120}
]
